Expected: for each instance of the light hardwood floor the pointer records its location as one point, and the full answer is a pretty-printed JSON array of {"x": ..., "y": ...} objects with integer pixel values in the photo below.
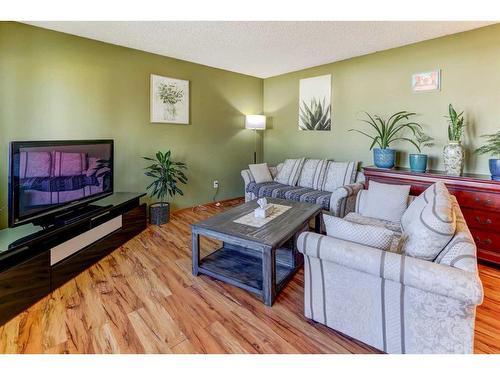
[{"x": 143, "y": 299}]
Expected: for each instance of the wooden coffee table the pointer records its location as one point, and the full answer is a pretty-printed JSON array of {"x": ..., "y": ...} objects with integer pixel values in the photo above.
[{"x": 258, "y": 259}]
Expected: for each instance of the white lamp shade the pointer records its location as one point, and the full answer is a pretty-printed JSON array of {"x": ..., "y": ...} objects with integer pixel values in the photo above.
[{"x": 255, "y": 122}]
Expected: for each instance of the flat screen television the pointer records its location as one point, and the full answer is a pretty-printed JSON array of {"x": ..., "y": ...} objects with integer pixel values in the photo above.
[{"x": 48, "y": 177}]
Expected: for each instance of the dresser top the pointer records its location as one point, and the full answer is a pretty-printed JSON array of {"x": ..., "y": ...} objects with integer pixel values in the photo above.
[{"x": 441, "y": 175}]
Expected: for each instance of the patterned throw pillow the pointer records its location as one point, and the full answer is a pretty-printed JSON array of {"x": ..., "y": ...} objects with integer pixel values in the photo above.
[
  {"x": 386, "y": 201},
  {"x": 432, "y": 226},
  {"x": 338, "y": 174},
  {"x": 290, "y": 172},
  {"x": 313, "y": 174},
  {"x": 369, "y": 235},
  {"x": 415, "y": 208}
]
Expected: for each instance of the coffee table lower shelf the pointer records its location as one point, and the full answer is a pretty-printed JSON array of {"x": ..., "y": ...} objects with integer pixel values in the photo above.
[{"x": 242, "y": 267}]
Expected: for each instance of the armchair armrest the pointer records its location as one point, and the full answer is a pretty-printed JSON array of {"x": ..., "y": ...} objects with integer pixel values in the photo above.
[
  {"x": 343, "y": 199},
  {"x": 413, "y": 272}
]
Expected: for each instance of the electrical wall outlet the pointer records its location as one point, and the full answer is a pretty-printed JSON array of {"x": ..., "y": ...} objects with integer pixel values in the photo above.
[{"x": 216, "y": 184}]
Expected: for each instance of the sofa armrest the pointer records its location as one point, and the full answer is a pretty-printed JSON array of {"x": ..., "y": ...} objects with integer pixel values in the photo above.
[
  {"x": 343, "y": 199},
  {"x": 413, "y": 272},
  {"x": 247, "y": 177}
]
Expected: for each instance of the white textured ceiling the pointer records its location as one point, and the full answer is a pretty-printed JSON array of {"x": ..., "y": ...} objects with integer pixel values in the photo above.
[{"x": 261, "y": 48}]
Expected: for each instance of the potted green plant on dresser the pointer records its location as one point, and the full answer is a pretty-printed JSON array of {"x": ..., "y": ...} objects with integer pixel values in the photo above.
[
  {"x": 386, "y": 132},
  {"x": 418, "y": 162},
  {"x": 166, "y": 174},
  {"x": 453, "y": 152},
  {"x": 492, "y": 147}
]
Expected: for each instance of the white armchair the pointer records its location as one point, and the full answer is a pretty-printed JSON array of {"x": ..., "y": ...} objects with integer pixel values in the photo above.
[{"x": 394, "y": 302}]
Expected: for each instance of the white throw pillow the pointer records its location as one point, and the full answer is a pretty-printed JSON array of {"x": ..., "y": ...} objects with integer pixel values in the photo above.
[
  {"x": 432, "y": 226},
  {"x": 369, "y": 235},
  {"x": 290, "y": 172},
  {"x": 386, "y": 201},
  {"x": 260, "y": 172}
]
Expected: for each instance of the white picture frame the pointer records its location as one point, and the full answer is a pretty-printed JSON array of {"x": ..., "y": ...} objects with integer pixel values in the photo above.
[
  {"x": 426, "y": 81},
  {"x": 169, "y": 100},
  {"x": 315, "y": 96}
]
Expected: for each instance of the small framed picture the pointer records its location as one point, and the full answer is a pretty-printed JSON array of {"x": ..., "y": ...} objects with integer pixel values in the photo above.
[
  {"x": 426, "y": 81},
  {"x": 169, "y": 100}
]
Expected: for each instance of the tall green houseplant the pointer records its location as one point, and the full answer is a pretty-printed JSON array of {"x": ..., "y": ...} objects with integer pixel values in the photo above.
[
  {"x": 166, "y": 174},
  {"x": 453, "y": 152},
  {"x": 388, "y": 131}
]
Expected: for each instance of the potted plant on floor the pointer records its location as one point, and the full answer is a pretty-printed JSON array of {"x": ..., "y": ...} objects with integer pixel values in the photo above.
[
  {"x": 387, "y": 132},
  {"x": 418, "y": 162},
  {"x": 453, "y": 152},
  {"x": 166, "y": 174},
  {"x": 492, "y": 147}
]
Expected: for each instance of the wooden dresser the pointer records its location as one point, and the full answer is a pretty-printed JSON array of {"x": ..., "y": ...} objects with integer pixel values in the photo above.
[{"x": 478, "y": 196}]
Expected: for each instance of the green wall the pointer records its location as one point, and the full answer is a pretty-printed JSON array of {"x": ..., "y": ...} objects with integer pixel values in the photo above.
[
  {"x": 58, "y": 86},
  {"x": 380, "y": 83}
]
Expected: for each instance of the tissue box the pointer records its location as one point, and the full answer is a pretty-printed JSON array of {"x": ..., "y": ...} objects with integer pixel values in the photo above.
[{"x": 262, "y": 213}]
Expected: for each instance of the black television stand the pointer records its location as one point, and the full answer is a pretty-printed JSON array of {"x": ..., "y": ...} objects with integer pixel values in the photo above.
[{"x": 35, "y": 261}]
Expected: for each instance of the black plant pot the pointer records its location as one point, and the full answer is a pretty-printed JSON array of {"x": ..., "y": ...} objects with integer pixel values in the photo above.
[{"x": 159, "y": 213}]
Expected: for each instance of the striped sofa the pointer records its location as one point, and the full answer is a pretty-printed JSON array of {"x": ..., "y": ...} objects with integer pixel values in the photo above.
[
  {"x": 392, "y": 301},
  {"x": 333, "y": 185}
]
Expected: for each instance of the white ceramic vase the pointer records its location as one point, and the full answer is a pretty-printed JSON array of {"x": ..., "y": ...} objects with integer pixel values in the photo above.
[{"x": 454, "y": 155}]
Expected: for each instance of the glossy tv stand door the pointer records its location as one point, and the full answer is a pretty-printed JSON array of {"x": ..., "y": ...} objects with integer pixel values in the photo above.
[{"x": 49, "y": 258}]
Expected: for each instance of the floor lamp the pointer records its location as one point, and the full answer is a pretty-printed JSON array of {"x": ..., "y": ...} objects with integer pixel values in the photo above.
[{"x": 255, "y": 122}]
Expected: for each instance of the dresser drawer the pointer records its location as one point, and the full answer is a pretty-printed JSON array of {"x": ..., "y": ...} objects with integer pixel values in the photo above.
[
  {"x": 482, "y": 219},
  {"x": 486, "y": 240},
  {"x": 477, "y": 200}
]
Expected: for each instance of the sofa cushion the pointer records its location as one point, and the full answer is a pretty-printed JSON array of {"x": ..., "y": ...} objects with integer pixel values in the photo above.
[
  {"x": 309, "y": 195},
  {"x": 354, "y": 217},
  {"x": 386, "y": 201},
  {"x": 338, "y": 174},
  {"x": 369, "y": 235},
  {"x": 432, "y": 228},
  {"x": 296, "y": 193},
  {"x": 313, "y": 173},
  {"x": 289, "y": 173},
  {"x": 260, "y": 173}
]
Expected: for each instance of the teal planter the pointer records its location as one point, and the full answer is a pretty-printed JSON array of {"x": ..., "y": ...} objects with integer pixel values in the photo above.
[
  {"x": 384, "y": 157},
  {"x": 418, "y": 163},
  {"x": 495, "y": 169}
]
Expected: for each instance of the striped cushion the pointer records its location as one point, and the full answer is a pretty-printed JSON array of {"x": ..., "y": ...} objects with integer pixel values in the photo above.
[
  {"x": 339, "y": 174},
  {"x": 290, "y": 172},
  {"x": 313, "y": 173},
  {"x": 432, "y": 228},
  {"x": 296, "y": 193}
]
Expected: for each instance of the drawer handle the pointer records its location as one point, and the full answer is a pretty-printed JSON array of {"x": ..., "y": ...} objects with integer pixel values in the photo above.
[
  {"x": 487, "y": 221},
  {"x": 487, "y": 202},
  {"x": 485, "y": 242}
]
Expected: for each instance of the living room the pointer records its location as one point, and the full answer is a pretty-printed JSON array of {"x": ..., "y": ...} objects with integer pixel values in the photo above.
[{"x": 250, "y": 187}]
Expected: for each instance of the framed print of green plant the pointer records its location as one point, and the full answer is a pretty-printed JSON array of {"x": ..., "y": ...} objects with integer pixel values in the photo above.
[
  {"x": 315, "y": 103},
  {"x": 169, "y": 100}
]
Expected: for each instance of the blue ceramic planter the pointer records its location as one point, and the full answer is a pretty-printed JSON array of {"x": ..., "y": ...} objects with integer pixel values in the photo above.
[
  {"x": 418, "y": 163},
  {"x": 384, "y": 157},
  {"x": 495, "y": 169}
]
